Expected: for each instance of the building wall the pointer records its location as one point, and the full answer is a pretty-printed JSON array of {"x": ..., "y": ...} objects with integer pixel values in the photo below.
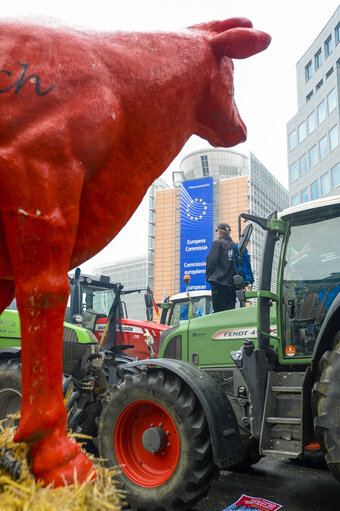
[
  {"x": 159, "y": 184},
  {"x": 318, "y": 80},
  {"x": 132, "y": 273},
  {"x": 164, "y": 258},
  {"x": 233, "y": 201},
  {"x": 241, "y": 184}
]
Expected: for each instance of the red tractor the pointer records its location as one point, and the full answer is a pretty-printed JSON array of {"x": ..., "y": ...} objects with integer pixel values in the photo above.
[{"x": 96, "y": 304}]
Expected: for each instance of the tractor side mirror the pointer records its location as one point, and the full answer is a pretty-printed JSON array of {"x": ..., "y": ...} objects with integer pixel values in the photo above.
[
  {"x": 148, "y": 300},
  {"x": 244, "y": 238}
]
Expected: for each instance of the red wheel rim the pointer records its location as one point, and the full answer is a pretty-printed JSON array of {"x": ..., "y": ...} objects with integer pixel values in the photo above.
[{"x": 139, "y": 465}]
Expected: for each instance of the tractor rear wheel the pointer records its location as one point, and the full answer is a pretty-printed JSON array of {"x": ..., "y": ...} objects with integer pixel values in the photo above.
[
  {"x": 326, "y": 401},
  {"x": 154, "y": 427},
  {"x": 10, "y": 390}
]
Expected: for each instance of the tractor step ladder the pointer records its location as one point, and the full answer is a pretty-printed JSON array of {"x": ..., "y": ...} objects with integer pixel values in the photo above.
[{"x": 281, "y": 433}]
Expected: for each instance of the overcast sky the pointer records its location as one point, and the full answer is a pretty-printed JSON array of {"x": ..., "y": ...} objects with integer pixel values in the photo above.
[{"x": 265, "y": 85}]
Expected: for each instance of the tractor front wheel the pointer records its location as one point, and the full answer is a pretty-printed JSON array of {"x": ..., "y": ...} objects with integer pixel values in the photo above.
[
  {"x": 154, "y": 427},
  {"x": 326, "y": 401}
]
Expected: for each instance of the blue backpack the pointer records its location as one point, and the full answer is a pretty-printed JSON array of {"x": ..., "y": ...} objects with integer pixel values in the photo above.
[{"x": 242, "y": 265}]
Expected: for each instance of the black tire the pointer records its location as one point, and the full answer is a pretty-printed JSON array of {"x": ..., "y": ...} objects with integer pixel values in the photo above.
[
  {"x": 125, "y": 419},
  {"x": 326, "y": 405},
  {"x": 10, "y": 390},
  {"x": 310, "y": 458},
  {"x": 251, "y": 456}
]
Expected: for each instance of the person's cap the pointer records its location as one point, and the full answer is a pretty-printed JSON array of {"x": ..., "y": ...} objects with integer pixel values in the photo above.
[{"x": 223, "y": 227}]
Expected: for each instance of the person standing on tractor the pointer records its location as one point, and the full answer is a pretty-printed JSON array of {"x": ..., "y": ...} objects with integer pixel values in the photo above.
[{"x": 220, "y": 271}]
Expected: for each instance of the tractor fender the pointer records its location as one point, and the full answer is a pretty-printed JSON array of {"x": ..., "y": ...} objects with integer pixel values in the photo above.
[
  {"x": 224, "y": 431},
  {"x": 330, "y": 326},
  {"x": 10, "y": 353}
]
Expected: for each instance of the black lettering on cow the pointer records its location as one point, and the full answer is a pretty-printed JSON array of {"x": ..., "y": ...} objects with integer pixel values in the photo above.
[{"x": 18, "y": 84}]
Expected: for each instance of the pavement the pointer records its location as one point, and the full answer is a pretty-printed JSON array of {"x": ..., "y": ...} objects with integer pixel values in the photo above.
[{"x": 295, "y": 487}]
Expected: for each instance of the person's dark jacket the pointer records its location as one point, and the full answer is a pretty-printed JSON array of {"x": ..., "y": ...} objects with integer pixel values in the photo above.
[{"x": 220, "y": 262}]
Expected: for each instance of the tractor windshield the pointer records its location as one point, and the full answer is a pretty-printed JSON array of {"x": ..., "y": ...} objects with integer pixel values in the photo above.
[
  {"x": 95, "y": 300},
  {"x": 182, "y": 310},
  {"x": 311, "y": 281}
]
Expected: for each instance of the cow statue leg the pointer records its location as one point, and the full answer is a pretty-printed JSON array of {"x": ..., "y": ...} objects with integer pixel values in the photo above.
[
  {"x": 6, "y": 293},
  {"x": 40, "y": 249}
]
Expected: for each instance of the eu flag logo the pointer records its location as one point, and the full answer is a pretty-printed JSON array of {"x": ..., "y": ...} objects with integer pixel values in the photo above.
[{"x": 196, "y": 209}]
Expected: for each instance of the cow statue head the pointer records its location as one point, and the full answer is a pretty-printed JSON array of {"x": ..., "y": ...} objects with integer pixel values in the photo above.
[{"x": 218, "y": 119}]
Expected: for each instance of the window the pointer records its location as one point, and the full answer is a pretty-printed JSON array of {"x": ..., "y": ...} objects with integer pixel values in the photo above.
[
  {"x": 314, "y": 190},
  {"x": 329, "y": 72},
  {"x": 302, "y": 131},
  {"x": 294, "y": 201},
  {"x": 331, "y": 101},
  {"x": 303, "y": 164},
  {"x": 313, "y": 156},
  {"x": 314, "y": 277},
  {"x": 323, "y": 149},
  {"x": 325, "y": 184},
  {"x": 293, "y": 172},
  {"x": 321, "y": 112},
  {"x": 308, "y": 71},
  {"x": 205, "y": 165},
  {"x": 318, "y": 59},
  {"x": 292, "y": 140},
  {"x": 318, "y": 85},
  {"x": 309, "y": 95},
  {"x": 304, "y": 195},
  {"x": 337, "y": 33},
  {"x": 333, "y": 138},
  {"x": 336, "y": 175},
  {"x": 328, "y": 46},
  {"x": 311, "y": 123}
]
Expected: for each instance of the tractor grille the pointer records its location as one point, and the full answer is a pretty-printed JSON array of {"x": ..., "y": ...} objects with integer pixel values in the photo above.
[
  {"x": 73, "y": 351},
  {"x": 174, "y": 348},
  {"x": 224, "y": 378},
  {"x": 70, "y": 335}
]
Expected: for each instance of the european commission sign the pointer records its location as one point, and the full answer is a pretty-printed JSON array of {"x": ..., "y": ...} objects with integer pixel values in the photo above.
[{"x": 196, "y": 230}]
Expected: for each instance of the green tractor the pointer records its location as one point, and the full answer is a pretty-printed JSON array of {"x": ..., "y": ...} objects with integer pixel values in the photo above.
[{"x": 229, "y": 387}]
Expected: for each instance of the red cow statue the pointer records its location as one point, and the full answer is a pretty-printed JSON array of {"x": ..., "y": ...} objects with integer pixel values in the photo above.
[{"x": 88, "y": 121}]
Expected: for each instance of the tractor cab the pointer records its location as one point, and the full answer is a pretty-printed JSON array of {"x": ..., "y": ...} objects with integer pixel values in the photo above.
[
  {"x": 182, "y": 307},
  {"x": 310, "y": 277}
]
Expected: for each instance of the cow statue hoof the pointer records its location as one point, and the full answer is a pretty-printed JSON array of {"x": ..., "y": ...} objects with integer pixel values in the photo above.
[{"x": 58, "y": 461}]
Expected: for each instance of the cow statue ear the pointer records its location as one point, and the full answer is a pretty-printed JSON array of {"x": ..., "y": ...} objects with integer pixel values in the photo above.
[
  {"x": 217, "y": 26},
  {"x": 240, "y": 43}
]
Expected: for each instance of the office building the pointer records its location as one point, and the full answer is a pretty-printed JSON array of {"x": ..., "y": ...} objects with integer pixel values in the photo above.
[
  {"x": 313, "y": 133},
  {"x": 211, "y": 186},
  {"x": 132, "y": 273}
]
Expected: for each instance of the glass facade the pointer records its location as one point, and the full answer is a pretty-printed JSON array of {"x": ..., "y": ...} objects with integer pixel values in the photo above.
[
  {"x": 331, "y": 101},
  {"x": 303, "y": 164},
  {"x": 293, "y": 172},
  {"x": 318, "y": 94},
  {"x": 311, "y": 123},
  {"x": 313, "y": 156},
  {"x": 292, "y": 140},
  {"x": 132, "y": 273},
  {"x": 304, "y": 195},
  {"x": 302, "y": 132},
  {"x": 323, "y": 148},
  {"x": 325, "y": 184},
  {"x": 333, "y": 138},
  {"x": 321, "y": 111},
  {"x": 314, "y": 190},
  {"x": 336, "y": 175}
]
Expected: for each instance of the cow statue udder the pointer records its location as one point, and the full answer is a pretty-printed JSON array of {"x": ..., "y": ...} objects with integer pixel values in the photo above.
[{"x": 88, "y": 121}]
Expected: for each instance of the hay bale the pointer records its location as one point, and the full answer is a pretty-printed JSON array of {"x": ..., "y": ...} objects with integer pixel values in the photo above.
[{"x": 24, "y": 494}]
